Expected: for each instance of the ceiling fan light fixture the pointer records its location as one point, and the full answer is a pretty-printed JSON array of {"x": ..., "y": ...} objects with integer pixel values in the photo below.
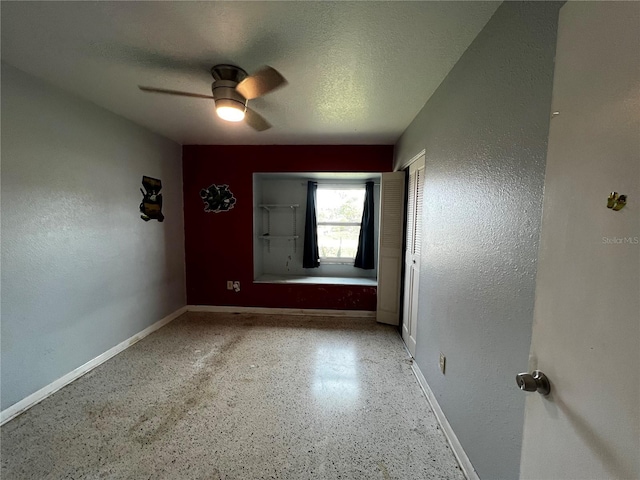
[
  {"x": 230, "y": 114},
  {"x": 231, "y": 89},
  {"x": 230, "y": 110}
]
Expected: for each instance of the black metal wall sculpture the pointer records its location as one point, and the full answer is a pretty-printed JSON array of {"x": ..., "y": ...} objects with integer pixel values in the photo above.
[
  {"x": 151, "y": 206},
  {"x": 217, "y": 198}
]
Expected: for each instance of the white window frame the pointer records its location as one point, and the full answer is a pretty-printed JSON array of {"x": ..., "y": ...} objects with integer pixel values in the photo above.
[{"x": 339, "y": 186}]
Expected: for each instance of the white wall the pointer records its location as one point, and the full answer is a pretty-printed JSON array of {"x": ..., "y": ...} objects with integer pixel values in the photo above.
[
  {"x": 485, "y": 135},
  {"x": 280, "y": 258},
  {"x": 81, "y": 271}
]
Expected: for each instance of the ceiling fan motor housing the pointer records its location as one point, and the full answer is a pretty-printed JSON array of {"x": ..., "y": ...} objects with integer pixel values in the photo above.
[{"x": 225, "y": 79}]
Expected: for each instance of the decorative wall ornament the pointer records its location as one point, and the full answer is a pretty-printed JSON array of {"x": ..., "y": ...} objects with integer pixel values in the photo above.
[
  {"x": 616, "y": 202},
  {"x": 217, "y": 198},
  {"x": 151, "y": 206}
]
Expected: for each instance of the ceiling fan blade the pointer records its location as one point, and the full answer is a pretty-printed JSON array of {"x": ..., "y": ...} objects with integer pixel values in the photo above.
[
  {"x": 173, "y": 92},
  {"x": 260, "y": 83},
  {"x": 256, "y": 121}
]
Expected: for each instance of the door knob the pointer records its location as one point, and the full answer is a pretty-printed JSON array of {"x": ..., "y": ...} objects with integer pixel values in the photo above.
[{"x": 534, "y": 382}]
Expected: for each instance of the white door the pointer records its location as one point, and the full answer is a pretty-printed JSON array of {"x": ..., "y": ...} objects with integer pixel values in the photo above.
[
  {"x": 390, "y": 253},
  {"x": 586, "y": 331},
  {"x": 413, "y": 246}
]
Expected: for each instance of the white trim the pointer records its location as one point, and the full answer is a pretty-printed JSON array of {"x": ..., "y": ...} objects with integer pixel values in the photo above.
[
  {"x": 355, "y": 185},
  {"x": 404, "y": 165},
  {"x": 283, "y": 311},
  {"x": 314, "y": 280},
  {"x": 337, "y": 260},
  {"x": 456, "y": 447},
  {"x": 36, "y": 397},
  {"x": 340, "y": 224}
]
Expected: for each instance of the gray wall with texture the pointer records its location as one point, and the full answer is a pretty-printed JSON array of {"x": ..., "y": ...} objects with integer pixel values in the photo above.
[
  {"x": 485, "y": 133},
  {"x": 81, "y": 272}
]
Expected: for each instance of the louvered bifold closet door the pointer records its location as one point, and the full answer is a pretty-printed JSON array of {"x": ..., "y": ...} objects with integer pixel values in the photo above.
[
  {"x": 411, "y": 200},
  {"x": 413, "y": 247},
  {"x": 416, "y": 240},
  {"x": 390, "y": 254}
]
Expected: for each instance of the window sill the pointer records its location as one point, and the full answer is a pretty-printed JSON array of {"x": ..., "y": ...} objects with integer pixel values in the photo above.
[
  {"x": 294, "y": 279},
  {"x": 346, "y": 261}
]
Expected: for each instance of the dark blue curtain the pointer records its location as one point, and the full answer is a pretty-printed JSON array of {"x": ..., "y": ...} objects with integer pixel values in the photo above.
[
  {"x": 365, "y": 257},
  {"x": 311, "y": 254}
]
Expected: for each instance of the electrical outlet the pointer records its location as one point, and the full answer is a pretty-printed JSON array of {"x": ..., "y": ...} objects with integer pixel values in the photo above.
[
  {"x": 443, "y": 362},
  {"x": 236, "y": 286},
  {"x": 229, "y": 285}
]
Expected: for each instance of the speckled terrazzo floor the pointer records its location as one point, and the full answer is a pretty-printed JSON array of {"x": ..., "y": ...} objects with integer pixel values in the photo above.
[{"x": 224, "y": 396}]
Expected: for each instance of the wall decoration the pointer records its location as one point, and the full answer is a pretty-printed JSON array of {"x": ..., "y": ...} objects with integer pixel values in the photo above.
[
  {"x": 616, "y": 202},
  {"x": 217, "y": 198},
  {"x": 151, "y": 206}
]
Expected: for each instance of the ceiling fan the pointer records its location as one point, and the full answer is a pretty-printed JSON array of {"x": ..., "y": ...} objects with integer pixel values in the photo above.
[{"x": 232, "y": 89}]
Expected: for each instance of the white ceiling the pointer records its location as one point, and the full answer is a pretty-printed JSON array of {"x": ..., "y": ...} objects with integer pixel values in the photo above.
[{"x": 358, "y": 72}]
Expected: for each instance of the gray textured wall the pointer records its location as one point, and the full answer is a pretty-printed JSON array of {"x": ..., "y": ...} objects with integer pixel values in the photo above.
[
  {"x": 81, "y": 271},
  {"x": 485, "y": 134}
]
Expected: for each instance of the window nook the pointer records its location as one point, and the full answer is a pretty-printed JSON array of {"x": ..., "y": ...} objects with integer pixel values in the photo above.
[{"x": 279, "y": 233}]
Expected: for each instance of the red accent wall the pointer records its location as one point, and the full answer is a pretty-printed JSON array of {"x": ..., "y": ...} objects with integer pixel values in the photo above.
[{"x": 219, "y": 246}]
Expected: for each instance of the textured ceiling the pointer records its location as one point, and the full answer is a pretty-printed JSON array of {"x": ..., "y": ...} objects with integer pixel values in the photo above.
[{"x": 358, "y": 72}]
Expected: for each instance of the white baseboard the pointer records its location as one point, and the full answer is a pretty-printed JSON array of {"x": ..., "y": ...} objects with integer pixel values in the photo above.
[
  {"x": 456, "y": 447},
  {"x": 36, "y": 397},
  {"x": 283, "y": 311}
]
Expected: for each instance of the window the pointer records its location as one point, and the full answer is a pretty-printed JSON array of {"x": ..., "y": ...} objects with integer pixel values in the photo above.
[
  {"x": 279, "y": 256},
  {"x": 339, "y": 211}
]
